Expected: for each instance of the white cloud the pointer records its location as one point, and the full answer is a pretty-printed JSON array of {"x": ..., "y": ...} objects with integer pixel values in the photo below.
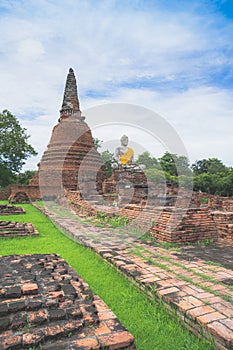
[{"x": 29, "y": 49}]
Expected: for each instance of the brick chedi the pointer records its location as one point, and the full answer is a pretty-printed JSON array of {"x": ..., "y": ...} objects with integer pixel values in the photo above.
[{"x": 71, "y": 160}]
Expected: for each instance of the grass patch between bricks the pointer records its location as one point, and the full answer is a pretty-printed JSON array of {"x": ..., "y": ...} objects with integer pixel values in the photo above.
[{"x": 149, "y": 321}]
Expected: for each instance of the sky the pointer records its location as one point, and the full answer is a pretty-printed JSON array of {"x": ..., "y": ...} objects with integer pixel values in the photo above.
[{"x": 174, "y": 58}]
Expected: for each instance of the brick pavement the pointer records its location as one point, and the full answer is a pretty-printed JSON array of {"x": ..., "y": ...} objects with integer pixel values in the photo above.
[
  {"x": 44, "y": 304},
  {"x": 200, "y": 293}
]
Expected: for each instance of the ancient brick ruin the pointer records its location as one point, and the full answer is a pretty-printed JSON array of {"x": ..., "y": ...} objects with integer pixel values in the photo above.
[
  {"x": 71, "y": 159},
  {"x": 71, "y": 145},
  {"x": 19, "y": 197},
  {"x": 44, "y": 304},
  {"x": 10, "y": 210},
  {"x": 16, "y": 229}
]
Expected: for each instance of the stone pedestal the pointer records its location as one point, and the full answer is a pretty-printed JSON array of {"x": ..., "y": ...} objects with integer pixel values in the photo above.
[{"x": 129, "y": 183}]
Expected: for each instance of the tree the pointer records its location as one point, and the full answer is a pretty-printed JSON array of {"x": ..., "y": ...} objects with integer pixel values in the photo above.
[
  {"x": 175, "y": 165},
  {"x": 154, "y": 175},
  {"x": 14, "y": 148},
  {"x": 6, "y": 176},
  {"x": 108, "y": 160},
  {"x": 97, "y": 143},
  {"x": 25, "y": 177}
]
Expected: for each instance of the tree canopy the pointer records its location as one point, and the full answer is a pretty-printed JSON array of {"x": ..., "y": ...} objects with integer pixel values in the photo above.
[
  {"x": 108, "y": 160},
  {"x": 14, "y": 147},
  {"x": 211, "y": 165},
  {"x": 207, "y": 175},
  {"x": 146, "y": 159}
]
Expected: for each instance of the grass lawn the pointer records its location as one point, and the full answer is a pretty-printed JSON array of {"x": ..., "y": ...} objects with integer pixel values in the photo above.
[{"x": 150, "y": 322}]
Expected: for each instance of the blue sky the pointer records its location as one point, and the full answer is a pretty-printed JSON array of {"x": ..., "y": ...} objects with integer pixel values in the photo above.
[{"x": 173, "y": 57}]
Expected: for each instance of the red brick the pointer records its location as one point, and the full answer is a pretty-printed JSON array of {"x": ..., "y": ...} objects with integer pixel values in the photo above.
[
  {"x": 31, "y": 339},
  {"x": 89, "y": 343},
  {"x": 30, "y": 288},
  {"x": 225, "y": 310},
  {"x": 183, "y": 305},
  {"x": 11, "y": 342},
  {"x": 210, "y": 317},
  {"x": 107, "y": 315},
  {"x": 117, "y": 340},
  {"x": 102, "y": 329},
  {"x": 228, "y": 323},
  {"x": 38, "y": 317},
  {"x": 168, "y": 291},
  {"x": 201, "y": 310},
  {"x": 194, "y": 301},
  {"x": 53, "y": 331},
  {"x": 56, "y": 295},
  {"x": 220, "y": 330}
]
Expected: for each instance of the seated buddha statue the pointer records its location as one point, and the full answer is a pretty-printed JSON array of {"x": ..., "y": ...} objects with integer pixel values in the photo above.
[{"x": 124, "y": 154}]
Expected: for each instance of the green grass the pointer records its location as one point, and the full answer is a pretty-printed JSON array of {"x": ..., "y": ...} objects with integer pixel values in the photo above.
[{"x": 149, "y": 321}]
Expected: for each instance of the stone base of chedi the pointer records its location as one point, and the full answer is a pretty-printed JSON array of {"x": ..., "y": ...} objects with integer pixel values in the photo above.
[{"x": 44, "y": 304}]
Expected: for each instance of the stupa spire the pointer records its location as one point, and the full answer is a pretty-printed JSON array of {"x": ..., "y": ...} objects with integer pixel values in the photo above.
[{"x": 70, "y": 103}]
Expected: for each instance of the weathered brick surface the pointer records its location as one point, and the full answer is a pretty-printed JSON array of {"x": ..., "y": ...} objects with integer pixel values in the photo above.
[
  {"x": 71, "y": 160},
  {"x": 5, "y": 193},
  {"x": 44, "y": 304},
  {"x": 32, "y": 190},
  {"x": 19, "y": 197},
  {"x": 224, "y": 225},
  {"x": 10, "y": 210},
  {"x": 10, "y": 229},
  {"x": 169, "y": 224}
]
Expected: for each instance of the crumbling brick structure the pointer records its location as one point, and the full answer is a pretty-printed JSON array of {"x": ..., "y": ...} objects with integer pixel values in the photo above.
[
  {"x": 44, "y": 304},
  {"x": 11, "y": 229},
  {"x": 19, "y": 197},
  {"x": 10, "y": 210},
  {"x": 71, "y": 160}
]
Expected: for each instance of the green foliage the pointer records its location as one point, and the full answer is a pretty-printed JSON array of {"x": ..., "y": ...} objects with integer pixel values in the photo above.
[
  {"x": 155, "y": 175},
  {"x": 14, "y": 148},
  {"x": 206, "y": 175},
  {"x": 6, "y": 176},
  {"x": 147, "y": 160},
  {"x": 186, "y": 181},
  {"x": 211, "y": 166},
  {"x": 25, "y": 177},
  {"x": 97, "y": 143},
  {"x": 108, "y": 160},
  {"x": 217, "y": 183},
  {"x": 204, "y": 200},
  {"x": 113, "y": 220}
]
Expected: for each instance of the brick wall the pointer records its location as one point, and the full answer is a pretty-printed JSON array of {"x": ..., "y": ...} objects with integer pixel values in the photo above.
[
  {"x": 33, "y": 192},
  {"x": 224, "y": 225},
  {"x": 164, "y": 223}
]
